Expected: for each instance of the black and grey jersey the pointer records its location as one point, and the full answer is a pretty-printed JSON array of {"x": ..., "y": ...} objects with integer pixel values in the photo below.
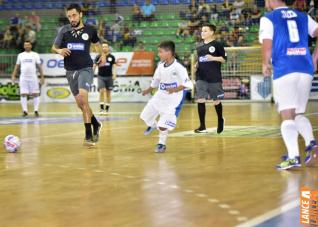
[{"x": 79, "y": 42}]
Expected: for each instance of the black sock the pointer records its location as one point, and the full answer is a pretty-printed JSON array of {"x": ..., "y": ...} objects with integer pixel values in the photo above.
[
  {"x": 201, "y": 111},
  {"x": 107, "y": 107},
  {"x": 88, "y": 130},
  {"x": 102, "y": 106},
  {"x": 95, "y": 124},
  {"x": 219, "y": 111}
]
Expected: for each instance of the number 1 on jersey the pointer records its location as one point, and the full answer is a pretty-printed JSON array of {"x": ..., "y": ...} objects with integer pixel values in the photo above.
[{"x": 293, "y": 31}]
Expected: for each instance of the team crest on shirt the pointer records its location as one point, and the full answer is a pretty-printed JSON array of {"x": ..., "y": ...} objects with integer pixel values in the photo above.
[
  {"x": 85, "y": 36},
  {"x": 212, "y": 49},
  {"x": 109, "y": 59}
]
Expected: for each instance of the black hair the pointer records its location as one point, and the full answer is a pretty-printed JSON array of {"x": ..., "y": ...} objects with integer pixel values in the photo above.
[
  {"x": 27, "y": 41},
  {"x": 211, "y": 26},
  {"x": 75, "y": 6},
  {"x": 168, "y": 45}
]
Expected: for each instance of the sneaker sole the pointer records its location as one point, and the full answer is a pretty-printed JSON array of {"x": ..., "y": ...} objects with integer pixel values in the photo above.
[
  {"x": 156, "y": 151},
  {"x": 89, "y": 144},
  {"x": 313, "y": 158},
  {"x": 289, "y": 167},
  {"x": 203, "y": 131}
]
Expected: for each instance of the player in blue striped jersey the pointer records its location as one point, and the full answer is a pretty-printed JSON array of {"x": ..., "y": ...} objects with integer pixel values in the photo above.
[{"x": 284, "y": 37}]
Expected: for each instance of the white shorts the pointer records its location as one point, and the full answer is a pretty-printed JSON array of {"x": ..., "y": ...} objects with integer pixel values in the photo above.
[
  {"x": 292, "y": 92},
  {"x": 28, "y": 87},
  {"x": 167, "y": 118}
]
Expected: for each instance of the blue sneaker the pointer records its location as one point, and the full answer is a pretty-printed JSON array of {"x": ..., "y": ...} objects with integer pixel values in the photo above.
[
  {"x": 285, "y": 157},
  {"x": 288, "y": 164},
  {"x": 160, "y": 148},
  {"x": 149, "y": 130},
  {"x": 311, "y": 154}
]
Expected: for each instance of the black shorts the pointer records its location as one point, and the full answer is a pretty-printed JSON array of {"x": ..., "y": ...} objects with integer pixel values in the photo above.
[
  {"x": 105, "y": 82},
  {"x": 80, "y": 79},
  {"x": 209, "y": 91}
]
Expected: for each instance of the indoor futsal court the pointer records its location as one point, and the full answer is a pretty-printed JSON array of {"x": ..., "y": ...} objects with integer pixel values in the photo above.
[
  {"x": 158, "y": 113},
  {"x": 205, "y": 180}
]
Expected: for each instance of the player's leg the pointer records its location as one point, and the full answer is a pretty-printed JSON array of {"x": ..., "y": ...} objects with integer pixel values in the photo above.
[
  {"x": 85, "y": 80},
  {"x": 303, "y": 124},
  {"x": 286, "y": 98},
  {"x": 201, "y": 97},
  {"x": 102, "y": 91},
  {"x": 216, "y": 92},
  {"x": 35, "y": 91},
  {"x": 24, "y": 91},
  {"x": 109, "y": 88},
  {"x": 167, "y": 122},
  {"x": 149, "y": 115}
]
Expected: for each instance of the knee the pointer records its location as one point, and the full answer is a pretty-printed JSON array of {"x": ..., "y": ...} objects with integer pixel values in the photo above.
[
  {"x": 201, "y": 101},
  {"x": 81, "y": 102}
]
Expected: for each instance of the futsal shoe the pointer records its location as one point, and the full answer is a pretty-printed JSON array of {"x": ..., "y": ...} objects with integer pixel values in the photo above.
[
  {"x": 221, "y": 124},
  {"x": 102, "y": 112},
  {"x": 149, "y": 130},
  {"x": 311, "y": 154},
  {"x": 160, "y": 148},
  {"x": 289, "y": 164},
  {"x": 285, "y": 157},
  {"x": 36, "y": 114},
  {"x": 24, "y": 114},
  {"x": 88, "y": 142},
  {"x": 97, "y": 132},
  {"x": 201, "y": 130}
]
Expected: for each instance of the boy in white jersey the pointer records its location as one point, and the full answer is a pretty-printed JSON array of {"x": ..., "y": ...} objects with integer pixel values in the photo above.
[
  {"x": 28, "y": 62},
  {"x": 171, "y": 78}
]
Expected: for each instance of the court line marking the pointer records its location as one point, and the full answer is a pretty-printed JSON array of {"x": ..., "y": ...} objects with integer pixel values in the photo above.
[
  {"x": 270, "y": 214},
  {"x": 79, "y": 113}
]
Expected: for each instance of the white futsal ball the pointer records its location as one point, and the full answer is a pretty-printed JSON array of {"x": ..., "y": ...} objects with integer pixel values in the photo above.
[{"x": 12, "y": 143}]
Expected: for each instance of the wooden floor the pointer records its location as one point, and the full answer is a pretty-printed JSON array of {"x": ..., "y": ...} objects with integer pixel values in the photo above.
[{"x": 201, "y": 181}]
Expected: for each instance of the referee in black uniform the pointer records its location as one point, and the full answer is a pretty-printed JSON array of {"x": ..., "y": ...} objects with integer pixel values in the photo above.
[
  {"x": 211, "y": 55},
  {"x": 73, "y": 43},
  {"x": 106, "y": 76}
]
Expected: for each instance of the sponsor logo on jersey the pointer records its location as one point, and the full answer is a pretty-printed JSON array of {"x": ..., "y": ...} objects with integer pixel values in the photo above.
[
  {"x": 76, "y": 46},
  {"x": 212, "y": 49},
  {"x": 165, "y": 86},
  {"x": 287, "y": 14},
  {"x": 27, "y": 60},
  {"x": 58, "y": 93},
  {"x": 85, "y": 36},
  {"x": 109, "y": 59},
  {"x": 296, "y": 51},
  {"x": 203, "y": 59}
]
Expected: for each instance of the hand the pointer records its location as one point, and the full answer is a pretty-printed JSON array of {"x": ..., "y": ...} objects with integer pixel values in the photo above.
[
  {"x": 42, "y": 80},
  {"x": 171, "y": 90},
  {"x": 102, "y": 60},
  {"x": 267, "y": 70},
  {"x": 64, "y": 52},
  {"x": 146, "y": 92},
  {"x": 209, "y": 57},
  {"x": 114, "y": 77}
]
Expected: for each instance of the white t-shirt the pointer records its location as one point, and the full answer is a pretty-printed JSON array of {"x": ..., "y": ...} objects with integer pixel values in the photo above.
[
  {"x": 171, "y": 76},
  {"x": 28, "y": 62}
]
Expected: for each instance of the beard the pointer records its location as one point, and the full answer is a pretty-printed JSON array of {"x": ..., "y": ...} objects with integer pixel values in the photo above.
[{"x": 76, "y": 25}]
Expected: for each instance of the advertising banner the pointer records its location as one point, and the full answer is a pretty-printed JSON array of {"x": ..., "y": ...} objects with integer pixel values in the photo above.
[{"x": 128, "y": 63}]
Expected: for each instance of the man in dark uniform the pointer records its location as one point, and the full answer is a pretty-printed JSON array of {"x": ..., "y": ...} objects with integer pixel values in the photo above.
[
  {"x": 73, "y": 43},
  {"x": 106, "y": 76},
  {"x": 211, "y": 55}
]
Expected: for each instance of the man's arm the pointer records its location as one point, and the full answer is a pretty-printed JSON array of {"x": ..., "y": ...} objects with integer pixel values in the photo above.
[
  {"x": 39, "y": 67},
  {"x": 266, "y": 33},
  {"x": 114, "y": 71},
  {"x": 266, "y": 56},
  {"x": 99, "y": 49},
  {"x": 313, "y": 32},
  {"x": 15, "y": 72},
  {"x": 57, "y": 44}
]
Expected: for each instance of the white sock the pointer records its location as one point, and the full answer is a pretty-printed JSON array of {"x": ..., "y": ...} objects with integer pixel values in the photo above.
[
  {"x": 304, "y": 128},
  {"x": 36, "y": 103},
  {"x": 290, "y": 136},
  {"x": 163, "y": 135},
  {"x": 24, "y": 103}
]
